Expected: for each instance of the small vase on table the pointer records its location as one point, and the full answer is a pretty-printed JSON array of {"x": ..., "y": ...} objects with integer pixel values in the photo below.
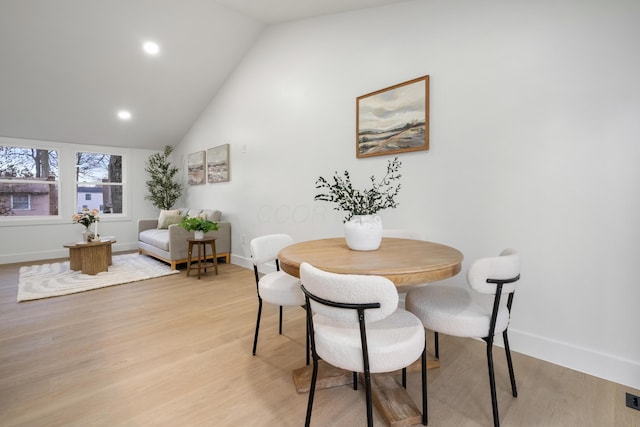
[
  {"x": 87, "y": 235},
  {"x": 363, "y": 232}
]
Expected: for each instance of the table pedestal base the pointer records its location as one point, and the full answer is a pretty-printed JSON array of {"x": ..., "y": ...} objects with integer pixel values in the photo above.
[
  {"x": 91, "y": 258},
  {"x": 389, "y": 397}
]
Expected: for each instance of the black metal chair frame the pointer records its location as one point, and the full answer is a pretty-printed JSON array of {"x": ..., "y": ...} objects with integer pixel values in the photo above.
[
  {"x": 489, "y": 340},
  {"x": 255, "y": 338},
  {"x": 360, "y": 308}
]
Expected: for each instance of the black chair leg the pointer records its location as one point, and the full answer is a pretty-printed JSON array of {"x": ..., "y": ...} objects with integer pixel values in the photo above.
[
  {"x": 255, "y": 338},
  {"x": 492, "y": 384},
  {"x": 367, "y": 390},
  {"x": 512, "y": 375},
  {"x": 355, "y": 380},
  {"x": 404, "y": 377},
  {"x": 280, "y": 325},
  {"x": 437, "y": 345},
  {"x": 312, "y": 391},
  {"x": 425, "y": 418}
]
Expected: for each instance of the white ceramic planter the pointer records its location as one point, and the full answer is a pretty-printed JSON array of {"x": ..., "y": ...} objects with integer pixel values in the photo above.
[
  {"x": 198, "y": 234},
  {"x": 363, "y": 232}
]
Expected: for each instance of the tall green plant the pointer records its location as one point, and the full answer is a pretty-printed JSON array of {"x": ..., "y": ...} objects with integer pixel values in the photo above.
[{"x": 164, "y": 190}]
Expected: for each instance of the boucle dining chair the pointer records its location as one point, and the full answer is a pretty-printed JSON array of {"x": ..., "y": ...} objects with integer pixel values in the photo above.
[
  {"x": 462, "y": 312},
  {"x": 276, "y": 287},
  {"x": 354, "y": 324}
]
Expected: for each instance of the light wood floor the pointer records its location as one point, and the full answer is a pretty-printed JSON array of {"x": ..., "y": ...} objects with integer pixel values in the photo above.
[{"x": 176, "y": 351}]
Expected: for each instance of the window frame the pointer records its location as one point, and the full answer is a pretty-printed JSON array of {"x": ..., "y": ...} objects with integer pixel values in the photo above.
[
  {"x": 112, "y": 151},
  {"x": 28, "y": 202},
  {"x": 13, "y": 220}
]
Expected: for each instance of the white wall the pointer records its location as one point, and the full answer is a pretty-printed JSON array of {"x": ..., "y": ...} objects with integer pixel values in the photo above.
[
  {"x": 534, "y": 145},
  {"x": 23, "y": 242}
]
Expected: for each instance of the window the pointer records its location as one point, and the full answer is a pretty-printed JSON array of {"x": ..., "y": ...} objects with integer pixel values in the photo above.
[
  {"x": 20, "y": 202},
  {"x": 29, "y": 181},
  {"x": 99, "y": 183}
]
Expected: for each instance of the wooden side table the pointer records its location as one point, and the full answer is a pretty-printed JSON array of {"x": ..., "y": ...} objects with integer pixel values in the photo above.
[
  {"x": 202, "y": 253},
  {"x": 91, "y": 257}
]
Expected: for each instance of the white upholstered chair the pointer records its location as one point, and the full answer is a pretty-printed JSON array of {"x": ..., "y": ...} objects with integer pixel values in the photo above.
[
  {"x": 462, "y": 312},
  {"x": 354, "y": 324},
  {"x": 276, "y": 287}
]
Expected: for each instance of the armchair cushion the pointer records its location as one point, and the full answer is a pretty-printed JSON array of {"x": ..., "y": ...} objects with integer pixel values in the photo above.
[{"x": 168, "y": 217}]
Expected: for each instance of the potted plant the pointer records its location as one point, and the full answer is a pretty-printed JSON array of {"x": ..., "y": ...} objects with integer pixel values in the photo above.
[
  {"x": 198, "y": 224},
  {"x": 363, "y": 228},
  {"x": 164, "y": 190}
]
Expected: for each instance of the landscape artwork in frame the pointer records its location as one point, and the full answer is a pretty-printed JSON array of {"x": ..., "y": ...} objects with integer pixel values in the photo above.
[
  {"x": 393, "y": 120},
  {"x": 218, "y": 164},
  {"x": 195, "y": 168}
]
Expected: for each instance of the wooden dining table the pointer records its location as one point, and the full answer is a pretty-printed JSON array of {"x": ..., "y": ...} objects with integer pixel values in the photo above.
[{"x": 405, "y": 262}]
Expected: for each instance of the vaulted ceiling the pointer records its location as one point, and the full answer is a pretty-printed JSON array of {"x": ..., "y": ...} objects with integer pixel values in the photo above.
[{"x": 67, "y": 67}]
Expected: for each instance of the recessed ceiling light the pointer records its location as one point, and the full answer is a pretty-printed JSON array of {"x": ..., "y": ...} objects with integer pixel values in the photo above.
[
  {"x": 151, "y": 48},
  {"x": 124, "y": 115}
]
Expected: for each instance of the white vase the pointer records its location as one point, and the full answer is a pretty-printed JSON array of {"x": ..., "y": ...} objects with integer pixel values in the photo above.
[
  {"x": 87, "y": 235},
  {"x": 198, "y": 234},
  {"x": 363, "y": 232}
]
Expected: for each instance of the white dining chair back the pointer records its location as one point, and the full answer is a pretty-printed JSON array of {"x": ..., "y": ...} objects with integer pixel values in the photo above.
[
  {"x": 349, "y": 289},
  {"x": 265, "y": 248}
]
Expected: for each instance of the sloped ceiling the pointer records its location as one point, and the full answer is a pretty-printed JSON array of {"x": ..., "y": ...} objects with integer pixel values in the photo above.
[{"x": 68, "y": 66}]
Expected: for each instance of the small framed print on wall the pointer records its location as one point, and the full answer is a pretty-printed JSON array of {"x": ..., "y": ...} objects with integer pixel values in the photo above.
[
  {"x": 218, "y": 164},
  {"x": 195, "y": 168},
  {"x": 393, "y": 120}
]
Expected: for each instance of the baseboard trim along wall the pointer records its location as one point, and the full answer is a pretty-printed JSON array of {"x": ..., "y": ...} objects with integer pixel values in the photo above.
[{"x": 601, "y": 365}]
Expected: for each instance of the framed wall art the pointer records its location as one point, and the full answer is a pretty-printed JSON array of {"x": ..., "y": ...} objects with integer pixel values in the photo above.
[
  {"x": 218, "y": 164},
  {"x": 195, "y": 168},
  {"x": 393, "y": 120}
]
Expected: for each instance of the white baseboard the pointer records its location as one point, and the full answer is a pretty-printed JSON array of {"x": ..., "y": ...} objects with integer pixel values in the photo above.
[{"x": 601, "y": 365}]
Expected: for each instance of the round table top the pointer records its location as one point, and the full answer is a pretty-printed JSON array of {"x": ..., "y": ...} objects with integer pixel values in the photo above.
[{"x": 403, "y": 261}]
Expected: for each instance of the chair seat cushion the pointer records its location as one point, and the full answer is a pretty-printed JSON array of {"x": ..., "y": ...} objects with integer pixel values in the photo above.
[
  {"x": 280, "y": 288},
  {"x": 155, "y": 237},
  {"x": 454, "y": 310},
  {"x": 393, "y": 342}
]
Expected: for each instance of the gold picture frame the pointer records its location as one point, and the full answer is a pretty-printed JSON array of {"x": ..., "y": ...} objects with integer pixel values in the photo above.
[{"x": 394, "y": 119}]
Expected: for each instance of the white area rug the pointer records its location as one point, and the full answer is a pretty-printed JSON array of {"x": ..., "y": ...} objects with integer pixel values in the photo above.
[{"x": 50, "y": 280}]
